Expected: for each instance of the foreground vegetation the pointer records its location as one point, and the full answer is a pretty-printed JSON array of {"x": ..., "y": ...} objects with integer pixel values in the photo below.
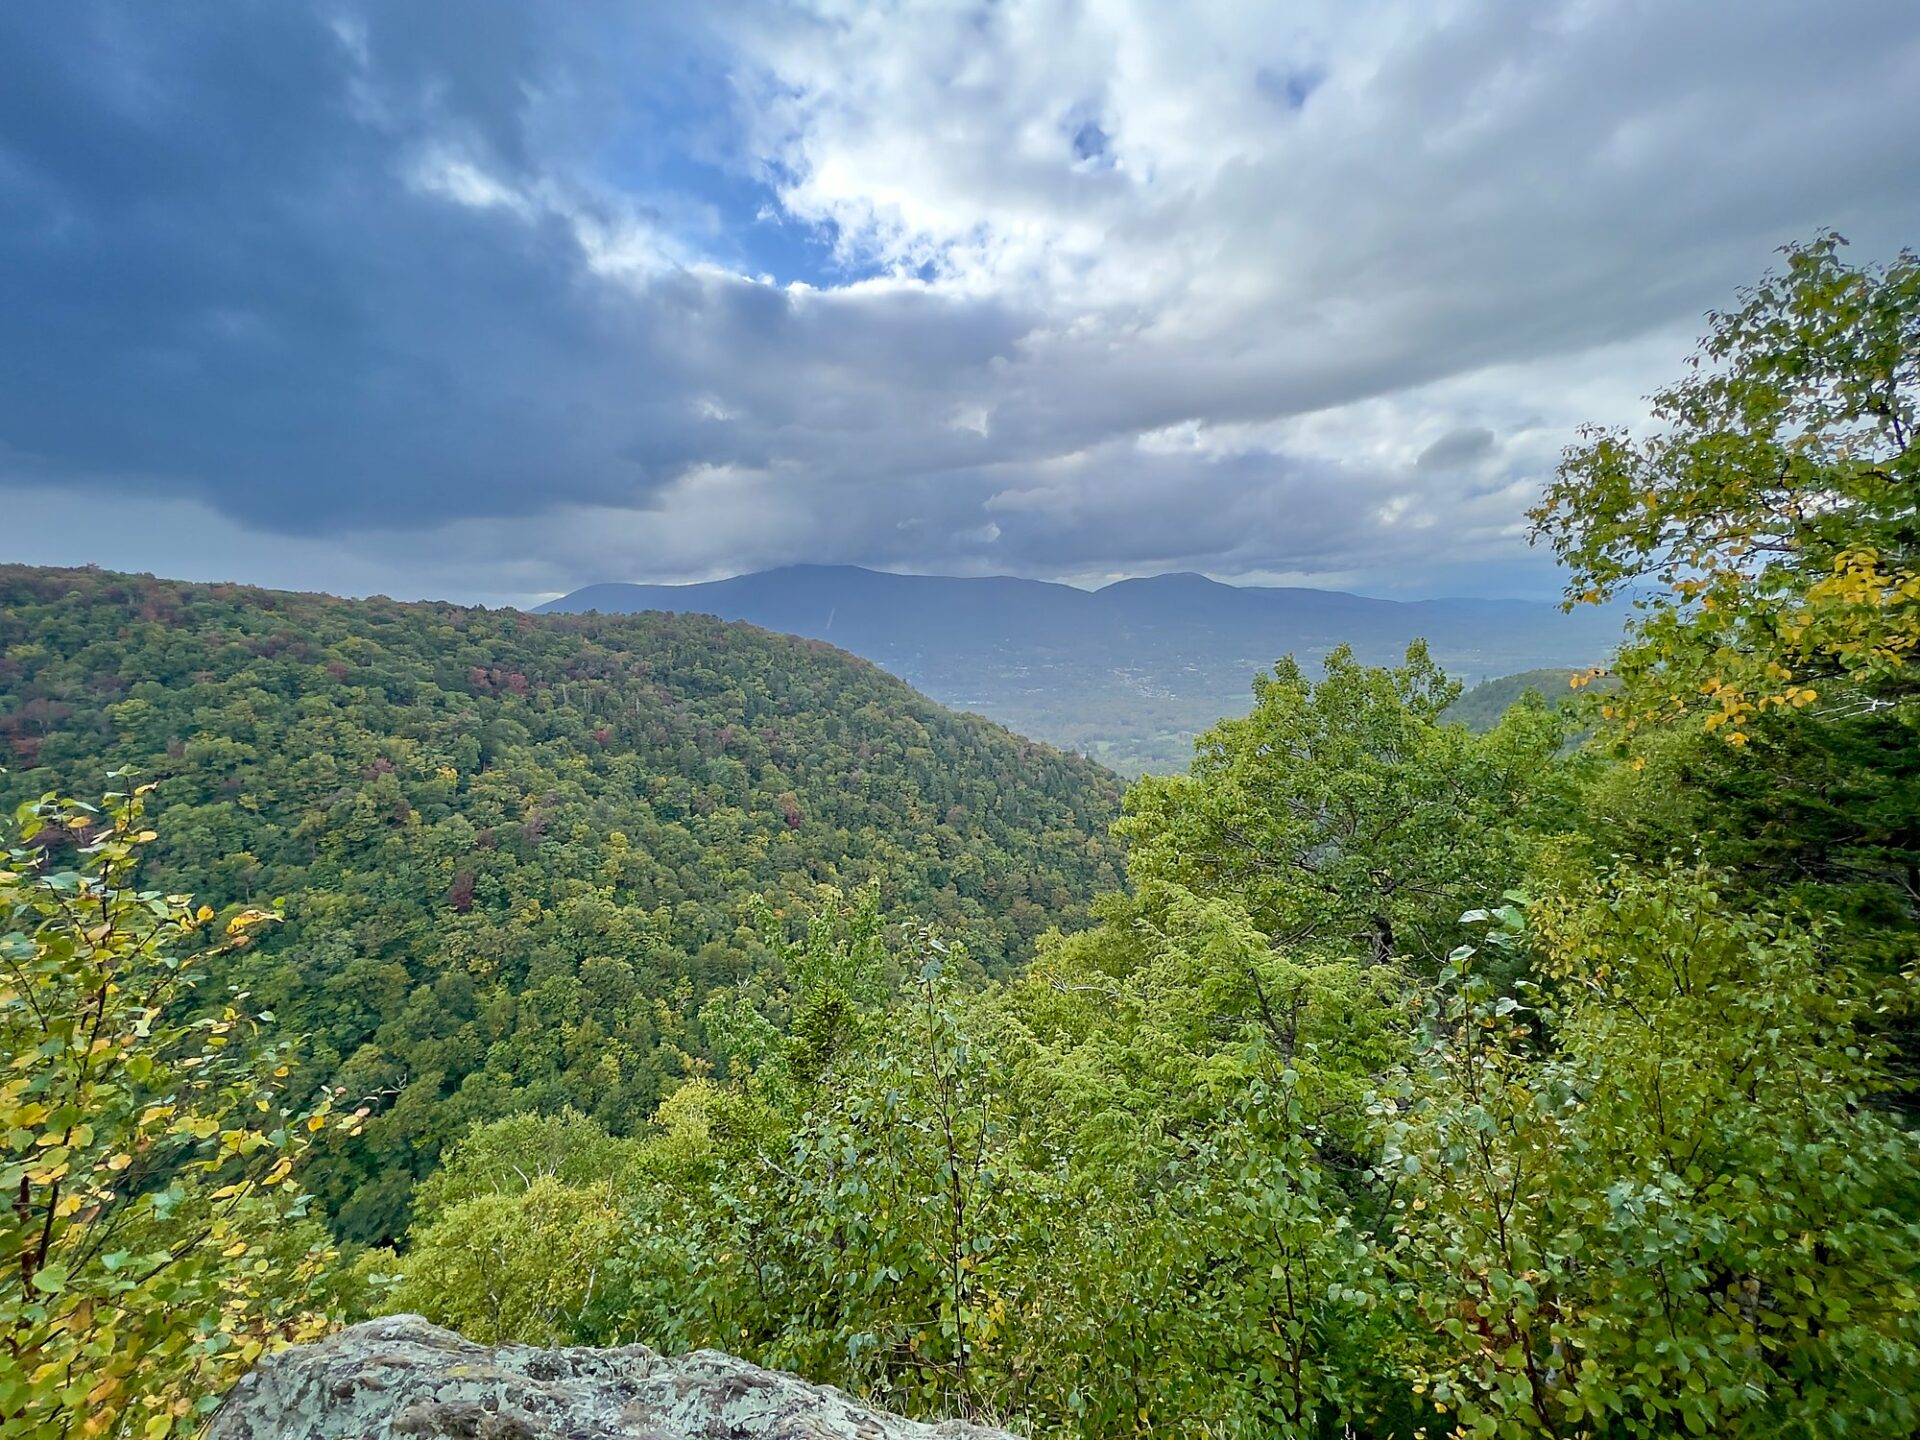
[{"x": 1419, "y": 1082}]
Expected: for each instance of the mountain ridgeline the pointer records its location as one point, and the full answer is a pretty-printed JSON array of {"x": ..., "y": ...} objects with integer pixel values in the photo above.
[
  {"x": 516, "y": 851},
  {"x": 1129, "y": 673}
]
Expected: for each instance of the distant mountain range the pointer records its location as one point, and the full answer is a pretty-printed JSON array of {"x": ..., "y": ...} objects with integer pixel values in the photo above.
[{"x": 1128, "y": 673}]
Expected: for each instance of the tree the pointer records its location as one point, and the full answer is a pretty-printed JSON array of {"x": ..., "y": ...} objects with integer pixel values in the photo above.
[
  {"x": 1775, "y": 509},
  {"x": 524, "y": 1266},
  {"x": 153, "y": 1245},
  {"x": 519, "y": 852},
  {"x": 514, "y": 1237},
  {"x": 1344, "y": 815}
]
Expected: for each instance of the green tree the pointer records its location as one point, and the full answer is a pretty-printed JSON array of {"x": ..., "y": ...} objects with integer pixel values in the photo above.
[
  {"x": 1773, "y": 508},
  {"x": 520, "y": 852},
  {"x": 515, "y": 1235},
  {"x": 152, "y": 1247},
  {"x": 1344, "y": 815}
]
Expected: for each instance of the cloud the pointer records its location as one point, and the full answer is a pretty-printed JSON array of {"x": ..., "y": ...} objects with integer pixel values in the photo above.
[
  {"x": 1457, "y": 448},
  {"x": 557, "y": 295}
]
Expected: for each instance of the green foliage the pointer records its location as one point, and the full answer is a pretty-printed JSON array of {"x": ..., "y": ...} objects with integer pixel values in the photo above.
[
  {"x": 1774, "y": 507},
  {"x": 1621, "y": 1171},
  {"x": 1821, "y": 812},
  {"x": 524, "y": 1266},
  {"x": 508, "y": 1156},
  {"x": 1290, "y": 1141},
  {"x": 518, "y": 852},
  {"x": 1645, "y": 1192},
  {"x": 153, "y": 1245},
  {"x": 1343, "y": 815},
  {"x": 1090, "y": 1200},
  {"x": 1775, "y": 511}
]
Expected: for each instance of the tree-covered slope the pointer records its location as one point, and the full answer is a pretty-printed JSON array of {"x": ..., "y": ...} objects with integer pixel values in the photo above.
[
  {"x": 1480, "y": 708},
  {"x": 517, "y": 851}
]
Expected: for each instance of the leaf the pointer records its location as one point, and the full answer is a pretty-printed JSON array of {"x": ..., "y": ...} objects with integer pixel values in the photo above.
[{"x": 50, "y": 1279}]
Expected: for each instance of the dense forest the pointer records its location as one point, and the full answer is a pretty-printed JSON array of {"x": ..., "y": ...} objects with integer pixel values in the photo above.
[
  {"x": 516, "y": 854},
  {"x": 1555, "y": 1080}
]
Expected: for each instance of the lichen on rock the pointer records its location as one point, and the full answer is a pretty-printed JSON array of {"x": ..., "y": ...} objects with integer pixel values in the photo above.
[{"x": 406, "y": 1378}]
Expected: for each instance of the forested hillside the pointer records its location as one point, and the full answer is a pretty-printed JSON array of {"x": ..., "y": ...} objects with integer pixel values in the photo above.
[
  {"x": 1481, "y": 707},
  {"x": 517, "y": 852}
]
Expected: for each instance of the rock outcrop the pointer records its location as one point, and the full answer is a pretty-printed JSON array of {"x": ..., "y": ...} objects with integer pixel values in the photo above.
[{"x": 402, "y": 1377}]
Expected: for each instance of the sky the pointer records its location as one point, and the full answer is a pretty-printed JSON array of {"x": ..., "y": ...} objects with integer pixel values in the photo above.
[{"x": 490, "y": 299}]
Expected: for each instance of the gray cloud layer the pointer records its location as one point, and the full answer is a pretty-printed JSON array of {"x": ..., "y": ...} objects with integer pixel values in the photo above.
[{"x": 473, "y": 299}]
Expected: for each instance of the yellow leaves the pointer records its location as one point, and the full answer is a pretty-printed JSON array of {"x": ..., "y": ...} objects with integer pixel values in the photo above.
[
  {"x": 25, "y": 1116},
  {"x": 122, "y": 1342},
  {"x": 108, "y": 1387},
  {"x": 247, "y": 919},
  {"x": 316, "y": 1122}
]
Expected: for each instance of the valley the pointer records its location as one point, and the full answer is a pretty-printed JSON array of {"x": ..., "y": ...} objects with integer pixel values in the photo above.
[{"x": 1128, "y": 674}]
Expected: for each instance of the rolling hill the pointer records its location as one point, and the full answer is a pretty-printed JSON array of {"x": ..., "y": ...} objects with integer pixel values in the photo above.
[
  {"x": 518, "y": 851},
  {"x": 1128, "y": 673}
]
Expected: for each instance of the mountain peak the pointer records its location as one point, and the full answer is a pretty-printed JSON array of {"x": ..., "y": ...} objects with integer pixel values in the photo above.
[{"x": 1173, "y": 580}]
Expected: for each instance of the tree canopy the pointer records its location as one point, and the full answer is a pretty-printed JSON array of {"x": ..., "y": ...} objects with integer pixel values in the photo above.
[{"x": 1773, "y": 511}]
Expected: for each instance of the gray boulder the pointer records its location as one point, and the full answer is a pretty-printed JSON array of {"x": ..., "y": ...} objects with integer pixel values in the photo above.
[{"x": 405, "y": 1378}]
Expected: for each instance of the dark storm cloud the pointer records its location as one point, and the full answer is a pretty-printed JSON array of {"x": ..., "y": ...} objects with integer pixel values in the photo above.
[
  {"x": 465, "y": 295},
  {"x": 214, "y": 274},
  {"x": 221, "y": 273}
]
